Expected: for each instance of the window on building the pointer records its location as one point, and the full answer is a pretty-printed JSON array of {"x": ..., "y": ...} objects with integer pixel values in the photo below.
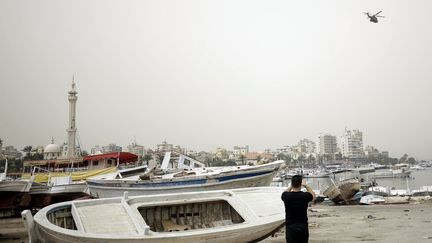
[{"x": 95, "y": 163}]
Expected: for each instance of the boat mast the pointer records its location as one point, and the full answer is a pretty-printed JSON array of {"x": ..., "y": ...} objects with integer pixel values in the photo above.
[
  {"x": 6, "y": 167},
  {"x": 118, "y": 159}
]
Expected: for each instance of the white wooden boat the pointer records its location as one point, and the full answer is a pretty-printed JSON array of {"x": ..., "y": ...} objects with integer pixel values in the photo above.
[
  {"x": 238, "y": 215},
  {"x": 194, "y": 179},
  {"x": 372, "y": 199}
]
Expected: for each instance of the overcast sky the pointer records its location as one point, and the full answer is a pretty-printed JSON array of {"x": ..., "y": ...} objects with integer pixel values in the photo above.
[{"x": 204, "y": 74}]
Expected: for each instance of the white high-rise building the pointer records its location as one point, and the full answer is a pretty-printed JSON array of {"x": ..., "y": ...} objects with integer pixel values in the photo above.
[
  {"x": 326, "y": 145},
  {"x": 111, "y": 148},
  {"x": 352, "y": 144},
  {"x": 307, "y": 146},
  {"x": 240, "y": 150},
  {"x": 136, "y": 149}
]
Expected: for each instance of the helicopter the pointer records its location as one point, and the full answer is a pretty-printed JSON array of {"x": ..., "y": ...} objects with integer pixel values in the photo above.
[{"x": 374, "y": 18}]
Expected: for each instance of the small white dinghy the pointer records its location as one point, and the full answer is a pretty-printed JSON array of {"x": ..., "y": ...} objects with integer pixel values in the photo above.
[
  {"x": 237, "y": 215},
  {"x": 372, "y": 199}
]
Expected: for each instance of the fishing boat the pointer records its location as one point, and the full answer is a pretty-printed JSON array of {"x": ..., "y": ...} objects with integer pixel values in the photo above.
[
  {"x": 78, "y": 169},
  {"x": 190, "y": 176},
  {"x": 63, "y": 188},
  {"x": 64, "y": 180},
  {"x": 58, "y": 189},
  {"x": 343, "y": 191},
  {"x": 237, "y": 215},
  {"x": 10, "y": 185},
  {"x": 14, "y": 193}
]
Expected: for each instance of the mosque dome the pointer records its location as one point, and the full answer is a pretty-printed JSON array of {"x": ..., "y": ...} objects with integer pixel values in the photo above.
[{"x": 52, "y": 148}]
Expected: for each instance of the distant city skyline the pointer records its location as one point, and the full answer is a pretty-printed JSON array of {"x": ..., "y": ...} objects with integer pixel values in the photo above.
[{"x": 208, "y": 74}]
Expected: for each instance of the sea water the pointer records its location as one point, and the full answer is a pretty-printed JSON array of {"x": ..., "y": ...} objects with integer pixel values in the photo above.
[{"x": 417, "y": 179}]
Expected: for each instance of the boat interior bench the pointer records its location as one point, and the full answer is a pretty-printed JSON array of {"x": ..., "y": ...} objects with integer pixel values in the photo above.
[
  {"x": 169, "y": 226},
  {"x": 189, "y": 216}
]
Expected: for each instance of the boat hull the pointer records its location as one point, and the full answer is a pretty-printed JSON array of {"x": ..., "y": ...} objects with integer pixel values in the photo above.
[
  {"x": 102, "y": 191},
  {"x": 343, "y": 191},
  {"x": 57, "y": 193},
  {"x": 14, "y": 200},
  {"x": 15, "y": 186},
  {"x": 260, "y": 212},
  {"x": 392, "y": 174},
  {"x": 240, "y": 235},
  {"x": 205, "y": 180}
]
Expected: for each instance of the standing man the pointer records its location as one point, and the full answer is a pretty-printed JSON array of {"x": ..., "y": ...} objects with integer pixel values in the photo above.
[{"x": 296, "y": 204}]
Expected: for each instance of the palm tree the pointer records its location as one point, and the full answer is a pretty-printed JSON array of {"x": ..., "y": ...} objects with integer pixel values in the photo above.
[
  {"x": 403, "y": 159},
  {"x": 242, "y": 158},
  {"x": 280, "y": 156},
  {"x": 1, "y": 144},
  {"x": 27, "y": 150},
  {"x": 311, "y": 159},
  {"x": 159, "y": 157},
  {"x": 259, "y": 158}
]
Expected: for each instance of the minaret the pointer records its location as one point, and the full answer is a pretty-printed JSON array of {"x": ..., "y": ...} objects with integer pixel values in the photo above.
[{"x": 72, "y": 127}]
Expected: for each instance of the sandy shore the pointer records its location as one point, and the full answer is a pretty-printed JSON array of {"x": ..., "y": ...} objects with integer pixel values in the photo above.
[{"x": 378, "y": 223}]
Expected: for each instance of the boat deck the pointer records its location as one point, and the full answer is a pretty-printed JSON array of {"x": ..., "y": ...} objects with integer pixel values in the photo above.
[{"x": 114, "y": 216}]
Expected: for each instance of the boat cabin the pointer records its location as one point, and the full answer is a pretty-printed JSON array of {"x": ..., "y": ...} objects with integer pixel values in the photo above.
[
  {"x": 91, "y": 162},
  {"x": 100, "y": 161}
]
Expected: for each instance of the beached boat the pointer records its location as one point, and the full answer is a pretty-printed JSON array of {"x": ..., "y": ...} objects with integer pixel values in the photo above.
[
  {"x": 9, "y": 185},
  {"x": 342, "y": 191},
  {"x": 15, "y": 185},
  {"x": 14, "y": 193},
  {"x": 64, "y": 179},
  {"x": 423, "y": 191},
  {"x": 377, "y": 190},
  {"x": 60, "y": 189},
  {"x": 238, "y": 215},
  {"x": 187, "y": 180},
  {"x": 372, "y": 199},
  {"x": 78, "y": 169}
]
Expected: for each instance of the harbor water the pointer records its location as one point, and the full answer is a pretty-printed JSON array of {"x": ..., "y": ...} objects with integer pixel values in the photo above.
[{"x": 417, "y": 179}]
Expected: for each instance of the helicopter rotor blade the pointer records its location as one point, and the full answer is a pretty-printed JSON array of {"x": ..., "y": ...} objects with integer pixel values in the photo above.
[
  {"x": 380, "y": 16},
  {"x": 378, "y": 12}
]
